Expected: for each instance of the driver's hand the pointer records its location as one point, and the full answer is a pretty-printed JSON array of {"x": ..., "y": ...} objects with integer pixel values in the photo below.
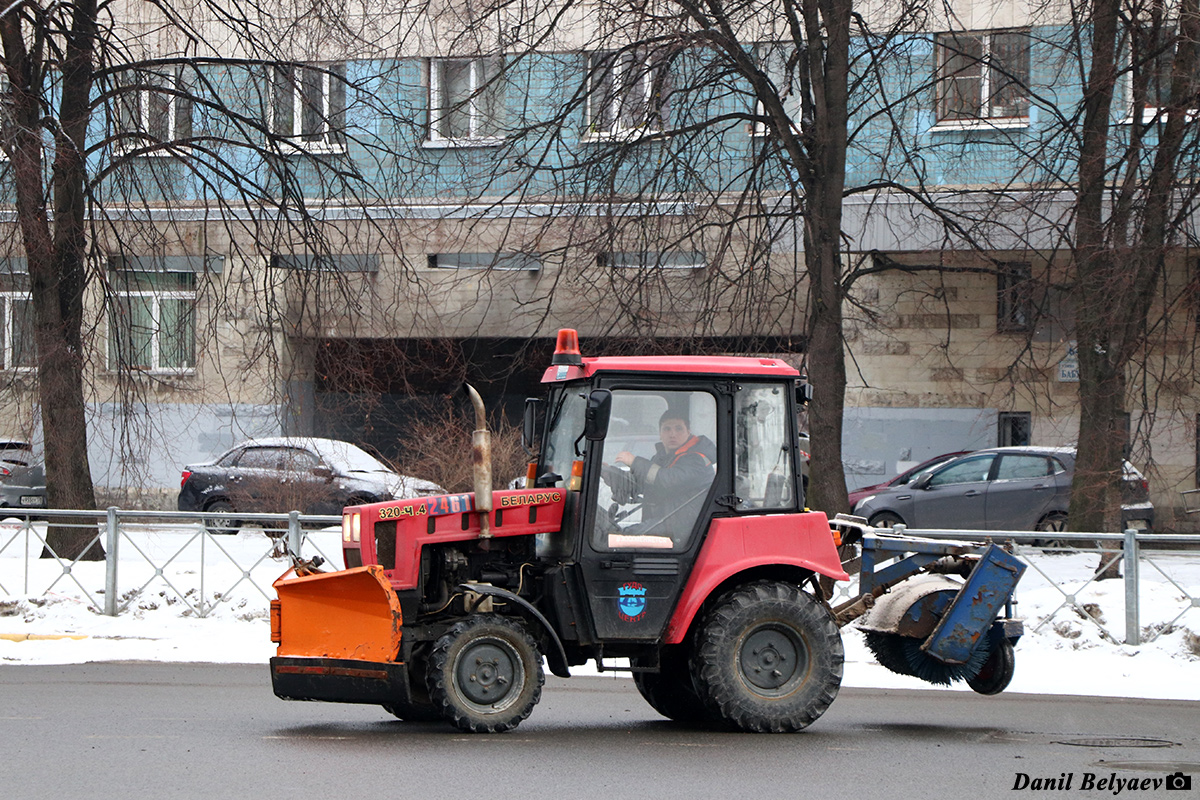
[{"x": 624, "y": 457}]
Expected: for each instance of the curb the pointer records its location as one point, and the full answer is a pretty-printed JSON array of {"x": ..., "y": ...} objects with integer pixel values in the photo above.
[{"x": 38, "y": 637}]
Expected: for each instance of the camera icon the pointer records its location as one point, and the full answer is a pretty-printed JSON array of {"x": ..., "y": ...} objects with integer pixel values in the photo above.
[{"x": 1177, "y": 782}]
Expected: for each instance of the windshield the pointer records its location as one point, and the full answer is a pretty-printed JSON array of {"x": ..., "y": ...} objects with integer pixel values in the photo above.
[{"x": 565, "y": 427}]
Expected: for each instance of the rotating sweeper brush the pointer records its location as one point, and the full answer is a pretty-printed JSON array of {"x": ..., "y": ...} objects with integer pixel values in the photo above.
[{"x": 921, "y": 621}]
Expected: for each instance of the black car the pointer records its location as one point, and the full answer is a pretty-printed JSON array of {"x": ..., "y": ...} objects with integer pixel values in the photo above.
[{"x": 313, "y": 476}]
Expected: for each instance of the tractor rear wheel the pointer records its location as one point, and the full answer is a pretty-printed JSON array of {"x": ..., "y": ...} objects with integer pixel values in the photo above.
[
  {"x": 670, "y": 691},
  {"x": 485, "y": 674},
  {"x": 768, "y": 658}
]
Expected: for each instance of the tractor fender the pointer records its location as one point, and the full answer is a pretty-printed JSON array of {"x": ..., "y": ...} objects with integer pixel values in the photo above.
[
  {"x": 912, "y": 608},
  {"x": 736, "y": 545},
  {"x": 557, "y": 657}
]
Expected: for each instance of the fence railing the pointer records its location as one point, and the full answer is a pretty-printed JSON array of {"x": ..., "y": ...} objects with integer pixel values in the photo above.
[
  {"x": 189, "y": 559},
  {"x": 191, "y": 556}
]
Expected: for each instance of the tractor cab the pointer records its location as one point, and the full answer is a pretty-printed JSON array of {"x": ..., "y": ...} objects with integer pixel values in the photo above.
[{"x": 651, "y": 451}]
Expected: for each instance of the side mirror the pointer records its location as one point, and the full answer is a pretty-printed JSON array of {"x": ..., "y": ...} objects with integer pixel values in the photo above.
[
  {"x": 531, "y": 423},
  {"x": 323, "y": 472},
  {"x": 595, "y": 420},
  {"x": 804, "y": 394},
  {"x": 923, "y": 481}
]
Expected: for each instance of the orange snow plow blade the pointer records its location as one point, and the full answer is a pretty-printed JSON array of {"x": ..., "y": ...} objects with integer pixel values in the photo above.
[{"x": 351, "y": 614}]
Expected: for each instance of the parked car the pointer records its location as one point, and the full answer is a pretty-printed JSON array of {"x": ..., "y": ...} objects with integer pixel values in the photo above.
[
  {"x": 1002, "y": 488},
  {"x": 905, "y": 477},
  {"x": 314, "y": 476},
  {"x": 22, "y": 476}
]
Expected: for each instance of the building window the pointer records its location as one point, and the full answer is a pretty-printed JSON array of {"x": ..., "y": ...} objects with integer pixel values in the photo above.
[
  {"x": 309, "y": 105},
  {"x": 153, "y": 106},
  {"x": 777, "y": 62},
  {"x": 16, "y": 331},
  {"x": 153, "y": 321},
  {"x": 495, "y": 262},
  {"x": 627, "y": 92},
  {"x": 1015, "y": 428},
  {"x": 653, "y": 260},
  {"x": 466, "y": 98},
  {"x": 982, "y": 76},
  {"x": 1151, "y": 53},
  {"x": 1014, "y": 297}
]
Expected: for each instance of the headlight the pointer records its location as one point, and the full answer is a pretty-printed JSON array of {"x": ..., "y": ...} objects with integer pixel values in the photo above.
[
  {"x": 862, "y": 503},
  {"x": 351, "y": 527}
]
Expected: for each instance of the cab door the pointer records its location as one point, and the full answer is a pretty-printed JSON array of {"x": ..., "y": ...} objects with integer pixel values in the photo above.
[{"x": 647, "y": 503}]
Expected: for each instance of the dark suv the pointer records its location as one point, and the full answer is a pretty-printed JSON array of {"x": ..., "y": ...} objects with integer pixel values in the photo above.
[
  {"x": 314, "y": 476},
  {"x": 1000, "y": 489}
]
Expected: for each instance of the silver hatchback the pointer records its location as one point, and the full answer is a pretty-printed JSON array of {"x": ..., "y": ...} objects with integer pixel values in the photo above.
[
  {"x": 1000, "y": 489},
  {"x": 22, "y": 476}
]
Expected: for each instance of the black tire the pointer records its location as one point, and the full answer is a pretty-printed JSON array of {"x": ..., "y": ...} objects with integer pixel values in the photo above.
[
  {"x": 1054, "y": 522},
  {"x": 413, "y": 711},
  {"x": 768, "y": 658},
  {"x": 997, "y": 671},
  {"x": 485, "y": 674},
  {"x": 418, "y": 707},
  {"x": 670, "y": 691},
  {"x": 215, "y": 527},
  {"x": 886, "y": 519}
]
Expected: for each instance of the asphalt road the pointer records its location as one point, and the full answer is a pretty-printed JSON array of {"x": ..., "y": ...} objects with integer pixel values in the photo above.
[{"x": 211, "y": 731}]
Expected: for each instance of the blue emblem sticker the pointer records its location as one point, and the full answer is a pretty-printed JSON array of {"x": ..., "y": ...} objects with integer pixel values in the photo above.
[
  {"x": 561, "y": 373},
  {"x": 631, "y": 601}
]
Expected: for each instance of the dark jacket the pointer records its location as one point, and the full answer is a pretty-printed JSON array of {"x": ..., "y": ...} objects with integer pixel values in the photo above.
[{"x": 674, "y": 485}]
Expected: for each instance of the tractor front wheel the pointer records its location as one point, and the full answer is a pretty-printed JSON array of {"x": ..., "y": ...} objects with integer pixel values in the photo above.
[
  {"x": 768, "y": 658},
  {"x": 485, "y": 674}
]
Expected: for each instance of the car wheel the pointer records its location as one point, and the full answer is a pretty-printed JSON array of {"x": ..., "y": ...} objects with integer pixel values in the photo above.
[
  {"x": 1054, "y": 522},
  {"x": 886, "y": 519},
  {"x": 221, "y": 527}
]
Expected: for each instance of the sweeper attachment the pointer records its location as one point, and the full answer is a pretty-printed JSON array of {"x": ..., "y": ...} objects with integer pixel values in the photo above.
[
  {"x": 933, "y": 608},
  {"x": 662, "y": 531}
]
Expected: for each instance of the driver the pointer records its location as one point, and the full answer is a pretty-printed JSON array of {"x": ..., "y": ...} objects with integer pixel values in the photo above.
[{"x": 678, "y": 475}]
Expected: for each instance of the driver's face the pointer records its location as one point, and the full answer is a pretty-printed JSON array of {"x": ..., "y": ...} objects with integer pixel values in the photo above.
[{"x": 673, "y": 433}]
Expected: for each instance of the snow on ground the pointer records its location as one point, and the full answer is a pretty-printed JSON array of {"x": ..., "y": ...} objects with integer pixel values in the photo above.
[{"x": 174, "y": 610}]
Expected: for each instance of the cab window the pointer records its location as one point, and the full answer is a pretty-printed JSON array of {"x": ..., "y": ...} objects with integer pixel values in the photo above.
[
  {"x": 763, "y": 464},
  {"x": 658, "y": 465}
]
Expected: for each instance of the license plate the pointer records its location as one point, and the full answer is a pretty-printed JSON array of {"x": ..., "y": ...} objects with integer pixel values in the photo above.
[{"x": 33, "y": 500}]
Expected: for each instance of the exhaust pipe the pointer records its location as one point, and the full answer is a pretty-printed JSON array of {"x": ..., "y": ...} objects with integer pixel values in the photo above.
[{"x": 481, "y": 456}]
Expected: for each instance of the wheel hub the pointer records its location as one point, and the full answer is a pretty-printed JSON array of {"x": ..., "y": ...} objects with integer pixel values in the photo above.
[
  {"x": 773, "y": 659},
  {"x": 486, "y": 673}
]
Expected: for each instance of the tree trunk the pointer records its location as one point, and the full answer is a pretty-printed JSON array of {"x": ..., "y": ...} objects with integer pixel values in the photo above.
[
  {"x": 57, "y": 275},
  {"x": 829, "y": 49}
]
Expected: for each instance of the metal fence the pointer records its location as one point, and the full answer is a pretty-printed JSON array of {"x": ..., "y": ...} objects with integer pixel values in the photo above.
[{"x": 189, "y": 558}]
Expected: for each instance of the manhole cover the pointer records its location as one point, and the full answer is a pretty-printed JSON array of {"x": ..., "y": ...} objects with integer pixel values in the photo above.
[{"x": 1116, "y": 742}]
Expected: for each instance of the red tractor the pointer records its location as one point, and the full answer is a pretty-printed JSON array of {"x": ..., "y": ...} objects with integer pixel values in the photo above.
[{"x": 663, "y": 523}]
